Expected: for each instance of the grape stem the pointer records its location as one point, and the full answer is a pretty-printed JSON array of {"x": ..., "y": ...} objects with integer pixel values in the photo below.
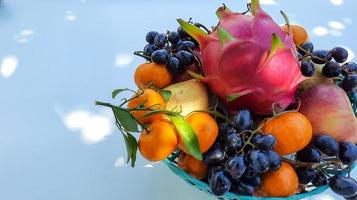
[
  {"x": 310, "y": 54},
  {"x": 313, "y": 165}
]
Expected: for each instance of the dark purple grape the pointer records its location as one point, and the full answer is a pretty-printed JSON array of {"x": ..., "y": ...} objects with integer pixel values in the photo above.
[
  {"x": 235, "y": 166},
  {"x": 331, "y": 69},
  {"x": 174, "y": 66},
  {"x": 305, "y": 174},
  {"x": 250, "y": 172},
  {"x": 344, "y": 186},
  {"x": 185, "y": 57},
  {"x": 309, "y": 154},
  {"x": 173, "y": 37},
  {"x": 275, "y": 161},
  {"x": 224, "y": 128},
  {"x": 160, "y": 56},
  {"x": 322, "y": 54},
  {"x": 214, "y": 155},
  {"x": 232, "y": 142},
  {"x": 263, "y": 142},
  {"x": 307, "y": 68},
  {"x": 349, "y": 68},
  {"x": 187, "y": 45},
  {"x": 242, "y": 120},
  {"x": 150, "y": 36},
  {"x": 319, "y": 180},
  {"x": 258, "y": 161},
  {"x": 149, "y": 49},
  {"x": 348, "y": 153},
  {"x": 160, "y": 40},
  {"x": 243, "y": 188},
  {"x": 254, "y": 181},
  {"x": 182, "y": 33},
  {"x": 300, "y": 56},
  {"x": 349, "y": 83},
  {"x": 194, "y": 41},
  {"x": 213, "y": 169},
  {"x": 219, "y": 183},
  {"x": 307, "y": 46},
  {"x": 176, "y": 46},
  {"x": 327, "y": 145},
  {"x": 339, "y": 54}
]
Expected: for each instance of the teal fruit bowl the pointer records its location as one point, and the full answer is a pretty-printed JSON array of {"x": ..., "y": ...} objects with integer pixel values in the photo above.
[{"x": 200, "y": 185}]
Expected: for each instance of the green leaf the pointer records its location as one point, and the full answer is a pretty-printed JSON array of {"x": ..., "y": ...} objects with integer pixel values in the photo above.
[
  {"x": 125, "y": 119},
  {"x": 232, "y": 97},
  {"x": 224, "y": 36},
  {"x": 198, "y": 34},
  {"x": 128, "y": 149},
  {"x": 131, "y": 148},
  {"x": 188, "y": 136},
  {"x": 166, "y": 94},
  {"x": 276, "y": 44},
  {"x": 117, "y": 91}
]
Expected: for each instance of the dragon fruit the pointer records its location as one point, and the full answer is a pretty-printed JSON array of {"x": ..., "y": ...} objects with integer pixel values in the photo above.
[{"x": 248, "y": 60}]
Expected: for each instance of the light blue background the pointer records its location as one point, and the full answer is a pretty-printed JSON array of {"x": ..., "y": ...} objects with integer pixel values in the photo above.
[{"x": 72, "y": 52}]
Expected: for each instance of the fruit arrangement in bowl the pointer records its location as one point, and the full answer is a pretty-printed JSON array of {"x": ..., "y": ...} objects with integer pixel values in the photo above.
[{"x": 247, "y": 109}]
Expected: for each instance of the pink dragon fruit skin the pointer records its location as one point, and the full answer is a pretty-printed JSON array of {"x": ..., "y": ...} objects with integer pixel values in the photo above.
[{"x": 248, "y": 61}]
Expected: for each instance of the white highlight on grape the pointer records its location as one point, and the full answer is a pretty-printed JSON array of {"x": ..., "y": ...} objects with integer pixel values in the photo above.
[
  {"x": 119, "y": 162},
  {"x": 8, "y": 66},
  {"x": 337, "y": 2},
  {"x": 70, "y": 16},
  {"x": 123, "y": 59},
  {"x": 336, "y": 25},
  {"x": 93, "y": 128},
  {"x": 320, "y": 31}
]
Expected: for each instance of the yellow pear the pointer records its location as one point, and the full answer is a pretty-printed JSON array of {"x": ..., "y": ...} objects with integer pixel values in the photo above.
[{"x": 187, "y": 96}]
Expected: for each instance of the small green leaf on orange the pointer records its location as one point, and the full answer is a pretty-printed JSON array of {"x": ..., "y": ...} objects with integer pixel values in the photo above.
[
  {"x": 166, "y": 95},
  {"x": 126, "y": 119},
  {"x": 187, "y": 135}
]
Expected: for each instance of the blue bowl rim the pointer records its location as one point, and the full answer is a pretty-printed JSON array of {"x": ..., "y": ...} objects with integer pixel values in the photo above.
[{"x": 205, "y": 187}]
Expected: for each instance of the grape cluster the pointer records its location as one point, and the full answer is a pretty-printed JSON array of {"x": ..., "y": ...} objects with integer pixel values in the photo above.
[
  {"x": 334, "y": 64},
  {"x": 173, "y": 49},
  {"x": 326, "y": 149},
  {"x": 239, "y": 157}
]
